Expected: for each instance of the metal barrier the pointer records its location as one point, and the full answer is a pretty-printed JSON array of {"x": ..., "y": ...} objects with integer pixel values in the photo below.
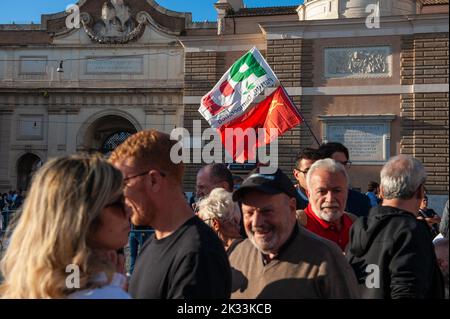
[{"x": 6, "y": 216}]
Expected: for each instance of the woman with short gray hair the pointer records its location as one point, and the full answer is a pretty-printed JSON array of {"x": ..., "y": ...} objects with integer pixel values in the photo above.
[{"x": 222, "y": 214}]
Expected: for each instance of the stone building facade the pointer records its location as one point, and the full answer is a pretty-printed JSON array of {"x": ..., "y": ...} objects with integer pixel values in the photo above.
[{"x": 372, "y": 77}]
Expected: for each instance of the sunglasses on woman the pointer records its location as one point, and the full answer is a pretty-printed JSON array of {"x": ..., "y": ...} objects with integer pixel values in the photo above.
[{"x": 118, "y": 203}]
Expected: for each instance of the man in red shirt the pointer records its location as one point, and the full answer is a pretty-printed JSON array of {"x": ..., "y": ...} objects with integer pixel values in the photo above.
[{"x": 327, "y": 183}]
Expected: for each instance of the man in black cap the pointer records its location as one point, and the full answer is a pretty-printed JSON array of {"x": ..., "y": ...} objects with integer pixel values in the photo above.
[{"x": 280, "y": 259}]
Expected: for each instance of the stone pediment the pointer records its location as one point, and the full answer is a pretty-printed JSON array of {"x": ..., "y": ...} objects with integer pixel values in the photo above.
[{"x": 119, "y": 21}]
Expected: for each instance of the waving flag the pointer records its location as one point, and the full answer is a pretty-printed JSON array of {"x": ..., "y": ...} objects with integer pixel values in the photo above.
[
  {"x": 276, "y": 112},
  {"x": 237, "y": 89}
]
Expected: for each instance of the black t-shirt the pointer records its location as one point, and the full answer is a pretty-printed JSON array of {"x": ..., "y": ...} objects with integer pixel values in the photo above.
[{"x": 191, "y": 263}]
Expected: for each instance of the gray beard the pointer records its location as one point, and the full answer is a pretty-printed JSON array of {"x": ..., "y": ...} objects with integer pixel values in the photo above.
[
  {"x": 265, "y": 252},
  {"x": 322, "y": 215}
]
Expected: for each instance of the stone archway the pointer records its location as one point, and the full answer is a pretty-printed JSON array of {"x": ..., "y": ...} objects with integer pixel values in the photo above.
[
  {"x": 106, "y": 133},
  {"x": 114, "y": 140},
  {"x": 27, "y": 165}
]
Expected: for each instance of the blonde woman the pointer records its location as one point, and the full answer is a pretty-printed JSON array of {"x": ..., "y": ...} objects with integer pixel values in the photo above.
[
  {"x": 64, "y": 243},
  {"x": 223, "y": 215}
]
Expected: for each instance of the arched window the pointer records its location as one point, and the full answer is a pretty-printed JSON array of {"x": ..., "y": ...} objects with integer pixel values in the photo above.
[
  {"x": 114, "y": 140},
  {"x": 27, "y": 165}
]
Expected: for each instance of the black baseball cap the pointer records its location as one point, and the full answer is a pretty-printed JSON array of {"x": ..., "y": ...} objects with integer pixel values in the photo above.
[{"x": 275, "y": 183}]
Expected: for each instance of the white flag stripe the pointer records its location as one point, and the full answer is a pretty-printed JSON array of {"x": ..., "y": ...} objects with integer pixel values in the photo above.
[{"x": 237, "y": 89}]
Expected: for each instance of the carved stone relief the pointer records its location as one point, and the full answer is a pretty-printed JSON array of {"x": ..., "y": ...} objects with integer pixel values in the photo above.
[
  {"x": 116, "y": 20},
  {"x": 116, "y": 24},
  {"x": 360, "y": 62}
]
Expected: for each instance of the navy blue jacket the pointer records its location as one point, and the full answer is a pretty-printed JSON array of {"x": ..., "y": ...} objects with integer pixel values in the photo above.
[{"x": 357, "y": 203}]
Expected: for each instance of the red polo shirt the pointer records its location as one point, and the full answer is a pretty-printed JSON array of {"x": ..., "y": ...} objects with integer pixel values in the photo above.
[{"x": 328, "y": 230}]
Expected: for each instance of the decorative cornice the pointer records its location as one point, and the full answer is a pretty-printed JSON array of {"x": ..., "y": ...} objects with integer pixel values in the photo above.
[
  {"x": 357, "y": 117},
  {"x": 29, "y": 147},
  {"x": 355, "y": 27},
  {"x": 6, "y": 110},
  {"x": 367, "y": 89},
  {"x": 159, "y": 110},
  {"x": 111, "y": 86},
  {"x": 171, "y": 13},
  {"x": 58, "y": 110},
  {"x": 223, "y": 43},
  {"x": 348, "y": 90}
]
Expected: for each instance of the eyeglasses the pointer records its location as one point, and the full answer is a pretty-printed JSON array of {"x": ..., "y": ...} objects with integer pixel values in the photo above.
[
  {"x": 119, "y": 203},
  {"x": 347, "y": 164},
  {"x": 127, "y": 179},
  {"x": 304, "y": 172}
]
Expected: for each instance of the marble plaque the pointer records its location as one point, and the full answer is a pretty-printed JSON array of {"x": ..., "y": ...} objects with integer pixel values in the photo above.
[
  {"x": 358, "y": 62},
  {"x": 106, "y": 65},
  {"x": 33, "y": 65},
  {"x": 366, "y": 142}
]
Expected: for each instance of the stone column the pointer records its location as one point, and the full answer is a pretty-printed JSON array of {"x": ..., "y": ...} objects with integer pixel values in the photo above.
[
  {"x": 6, "y": 120},
  {"x": 57, "y": 133}
]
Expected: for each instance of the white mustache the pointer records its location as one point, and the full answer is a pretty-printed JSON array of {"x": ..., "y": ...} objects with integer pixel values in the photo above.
[
  {"x": 261, "y": 229},
  {"x": 330, "y": 206}
]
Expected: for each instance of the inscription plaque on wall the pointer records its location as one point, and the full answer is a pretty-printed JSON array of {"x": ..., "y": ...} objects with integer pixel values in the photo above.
[
  {"x": 33, "y": 65},
  {"x": 367, "y": 136},
  {"x": 106, "y": 65},
  {"x": 358, "y": 62},
  {"x": 366, "y": 143}
]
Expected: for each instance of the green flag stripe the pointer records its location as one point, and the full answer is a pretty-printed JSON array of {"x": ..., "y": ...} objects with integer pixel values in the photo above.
[{"x": 253, "y": 68}]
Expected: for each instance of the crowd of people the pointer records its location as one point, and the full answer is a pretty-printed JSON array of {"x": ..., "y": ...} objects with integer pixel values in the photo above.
[
  {"x": 9, "y": 203},
  {"x": 267, "y": 238}
]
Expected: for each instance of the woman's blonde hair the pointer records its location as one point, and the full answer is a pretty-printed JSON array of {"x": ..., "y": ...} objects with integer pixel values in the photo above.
[
  {"x": 60, "y": 214},
  {"x": 218, "y": 205}
]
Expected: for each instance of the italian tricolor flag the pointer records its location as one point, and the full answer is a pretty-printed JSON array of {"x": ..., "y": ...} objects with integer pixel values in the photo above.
[{"x": 227, "y": 107}]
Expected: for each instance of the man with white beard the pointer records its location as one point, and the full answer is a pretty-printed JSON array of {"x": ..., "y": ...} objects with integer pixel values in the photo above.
[
  {"x": 327, "y": 183},
  {"x": 281, "y": 259}
]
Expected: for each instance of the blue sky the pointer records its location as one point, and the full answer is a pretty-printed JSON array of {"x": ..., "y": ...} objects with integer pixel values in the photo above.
[{"x": 26, "y": 11}]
